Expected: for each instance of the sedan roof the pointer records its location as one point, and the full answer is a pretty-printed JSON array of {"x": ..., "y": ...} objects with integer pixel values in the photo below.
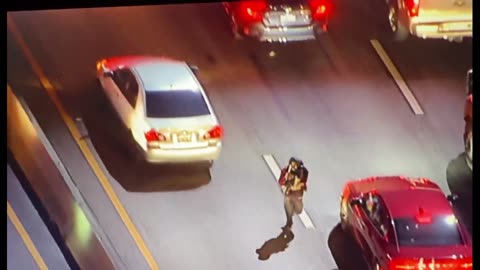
[
  {"x": 166, "y": 76},
  {"x": 406, "y": 203},
  {"x": 404, "y": 196}
]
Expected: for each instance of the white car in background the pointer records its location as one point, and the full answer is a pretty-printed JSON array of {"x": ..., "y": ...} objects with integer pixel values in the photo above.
[
  {"x": 162, "y": 103},
  {"x": 432, "y": 19}
]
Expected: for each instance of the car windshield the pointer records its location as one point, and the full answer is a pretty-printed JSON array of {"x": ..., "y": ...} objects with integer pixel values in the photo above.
[
  {"x": 441, "y": 231},
  {"x": 176, "y": 103}
]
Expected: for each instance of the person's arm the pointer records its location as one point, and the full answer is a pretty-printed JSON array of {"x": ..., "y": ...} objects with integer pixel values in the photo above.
[{"x": 282, "y": 179}]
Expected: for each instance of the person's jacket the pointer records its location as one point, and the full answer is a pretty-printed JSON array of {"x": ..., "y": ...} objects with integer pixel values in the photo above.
[{"x": 303, "y": 176}]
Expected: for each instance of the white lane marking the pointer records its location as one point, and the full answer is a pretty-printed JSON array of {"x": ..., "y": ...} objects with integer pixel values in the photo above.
[
  {"x": 275, "y": 169},
  {"x": 402, "y": 85}
]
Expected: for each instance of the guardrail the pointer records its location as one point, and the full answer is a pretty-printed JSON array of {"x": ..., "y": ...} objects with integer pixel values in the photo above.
[{"x": 54, "y": 187}]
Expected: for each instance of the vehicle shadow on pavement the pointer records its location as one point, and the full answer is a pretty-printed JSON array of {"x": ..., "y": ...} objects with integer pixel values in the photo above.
[
  {"x": 459, "y": 179},
  {"x": 345, "y": 251},
  {"x": 114, "y": 147},
  {"x": 275, "y": 245}
]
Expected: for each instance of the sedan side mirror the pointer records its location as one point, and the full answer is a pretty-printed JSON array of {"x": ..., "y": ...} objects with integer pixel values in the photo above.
[
  {"x": 194, "y": 69},
  {"x": 452, "y": 197}
]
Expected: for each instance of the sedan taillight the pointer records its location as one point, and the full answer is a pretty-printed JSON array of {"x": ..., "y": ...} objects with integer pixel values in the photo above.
[
  {"x": 320, "y": 9},
  {"x": 252, "y": 11},
  {"x": 214, "y": 133},
  {"x": 154, "y": 136},
  {"x": 440, "y": 264},
  {"x": 413, "y": 7}
]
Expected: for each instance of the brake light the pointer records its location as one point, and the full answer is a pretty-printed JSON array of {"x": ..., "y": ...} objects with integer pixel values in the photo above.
[
  {"x": 253, "y": 11},
  {"x": 320, "y": 9},
  {"x": 214, "y": 133},
  {"x": 427, "y": 264},
  {"x": 423, "y": 217},
  {"x": 413, "y": 7},
  {"x": 154, "y": 136}
]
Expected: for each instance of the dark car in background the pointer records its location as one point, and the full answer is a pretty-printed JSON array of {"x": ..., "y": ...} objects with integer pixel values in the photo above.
[{"x": 279, "y": 20}]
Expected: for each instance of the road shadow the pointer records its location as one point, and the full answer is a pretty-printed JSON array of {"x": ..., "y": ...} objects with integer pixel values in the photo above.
[
  {"x": 345, "y": 251},
  {"x": 275, "y": 245},
  {"x": 460, "y": 182},
  {"x": 116, "y": 150}
]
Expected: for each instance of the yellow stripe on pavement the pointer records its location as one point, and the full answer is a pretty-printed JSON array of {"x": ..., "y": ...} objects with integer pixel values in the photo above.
[
  {"x": 26, "y": 238},
  {"x": 83, "y": 146}
]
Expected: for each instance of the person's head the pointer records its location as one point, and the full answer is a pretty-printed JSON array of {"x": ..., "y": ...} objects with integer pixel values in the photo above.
[{"x": 294, "y": 163}]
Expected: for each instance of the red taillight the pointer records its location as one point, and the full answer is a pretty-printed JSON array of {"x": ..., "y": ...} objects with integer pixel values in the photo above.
[
  {"x": 423, "y": 217},
  {"x": 253, "y": 11},
  {"x": 413, "y": 7},
  {"x": 320, "y": 9},
  {"x": 154, "y": 136},
  {"x": 438, "y": 264},
  {"x": 215, "y": 133}
]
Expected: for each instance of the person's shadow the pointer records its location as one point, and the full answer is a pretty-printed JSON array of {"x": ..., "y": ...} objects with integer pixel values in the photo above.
[{"x": 275, "y": 245}]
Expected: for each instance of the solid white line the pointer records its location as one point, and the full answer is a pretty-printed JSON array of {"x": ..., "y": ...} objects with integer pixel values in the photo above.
[
  {"x": 275, "y": 169},
  {"x": 402, "y": 85}
]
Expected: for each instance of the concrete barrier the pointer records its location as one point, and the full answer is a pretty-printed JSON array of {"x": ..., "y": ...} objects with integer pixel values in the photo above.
[{"x": 55, "y": 189}]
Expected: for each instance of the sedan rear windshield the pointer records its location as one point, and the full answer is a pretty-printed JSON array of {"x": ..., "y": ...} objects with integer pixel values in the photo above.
[
  {"x": 441, "y": 231},
  {"x": 175, "y": 103}
]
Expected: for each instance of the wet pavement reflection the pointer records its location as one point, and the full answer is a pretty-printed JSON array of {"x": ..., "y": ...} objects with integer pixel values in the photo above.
[{"x": 29, "y": 155}]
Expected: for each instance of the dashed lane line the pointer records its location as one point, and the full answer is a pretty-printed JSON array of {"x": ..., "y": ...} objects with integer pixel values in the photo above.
[{"x": 402, "y": 85}]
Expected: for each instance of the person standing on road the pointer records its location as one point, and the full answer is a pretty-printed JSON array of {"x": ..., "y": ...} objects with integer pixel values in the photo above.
[{"x": 293, "y": 182}]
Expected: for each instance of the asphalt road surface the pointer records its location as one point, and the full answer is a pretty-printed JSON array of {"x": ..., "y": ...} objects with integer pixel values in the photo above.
[{"x": 331, "y": 102}]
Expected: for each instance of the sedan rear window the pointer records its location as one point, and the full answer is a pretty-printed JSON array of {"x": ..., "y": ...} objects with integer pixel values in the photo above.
[
  {"x": 175, "y": 103},
  {"x": 441, "y": 231}
]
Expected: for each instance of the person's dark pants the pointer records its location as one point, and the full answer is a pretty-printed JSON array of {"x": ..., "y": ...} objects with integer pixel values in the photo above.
[{"x": 293, "y": 206}]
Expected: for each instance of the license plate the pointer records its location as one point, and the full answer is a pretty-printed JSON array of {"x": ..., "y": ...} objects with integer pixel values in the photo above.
[
  {"x": 457, "y": 27},
  {"x": 184, "y": 138},
  {"x": 288, "y": 18}
]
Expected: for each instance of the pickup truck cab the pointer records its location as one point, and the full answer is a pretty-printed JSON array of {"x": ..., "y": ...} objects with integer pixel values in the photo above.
[{"x": 431, "y": 19}]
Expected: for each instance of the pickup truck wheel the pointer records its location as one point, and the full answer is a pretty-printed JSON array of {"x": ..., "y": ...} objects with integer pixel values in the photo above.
[{"x": 400, "y": 32}]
